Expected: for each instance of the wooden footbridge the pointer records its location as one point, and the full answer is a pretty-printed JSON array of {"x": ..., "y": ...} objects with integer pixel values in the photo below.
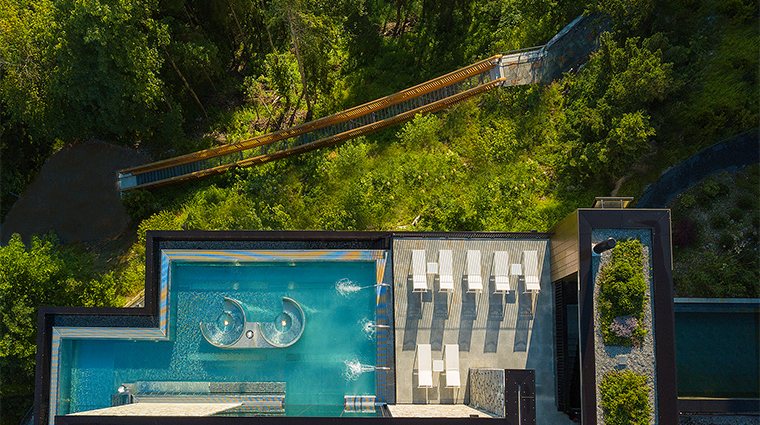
[{"x": 562, "y": 53}]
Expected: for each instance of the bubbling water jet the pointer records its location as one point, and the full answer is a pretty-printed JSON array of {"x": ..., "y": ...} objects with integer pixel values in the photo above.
[
  {"x": 354, "y": 369},
  {"x": 346, "y": 287}
]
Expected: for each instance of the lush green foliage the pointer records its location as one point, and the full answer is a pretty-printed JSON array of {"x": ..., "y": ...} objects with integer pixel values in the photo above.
[
  {"x": 173, "y": 76},
  {"x": 715, "y": 237},
  {"x": 209, "y": 209},
  {"x": 622, "y": 292},
  {"x": 46, "y": 274},
  {"x": 625, "y": 398},
  {"x": 600, "y": 125}
]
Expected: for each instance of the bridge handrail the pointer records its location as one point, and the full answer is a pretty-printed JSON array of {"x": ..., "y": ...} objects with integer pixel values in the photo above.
[
  {"x": 526, "y": 49},
  {"x": 330, "y": 140},
  {"x": 346, "y": 115}
]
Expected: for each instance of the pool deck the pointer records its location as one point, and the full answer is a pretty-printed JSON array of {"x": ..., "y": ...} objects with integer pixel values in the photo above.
[
  {"x": 513, "y": 331},
  {"x": 161, "y": 409},
  {"x": 436, "y": 411}
]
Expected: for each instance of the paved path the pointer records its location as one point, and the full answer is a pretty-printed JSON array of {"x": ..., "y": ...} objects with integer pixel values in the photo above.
[{"x": 75, "y": 195}]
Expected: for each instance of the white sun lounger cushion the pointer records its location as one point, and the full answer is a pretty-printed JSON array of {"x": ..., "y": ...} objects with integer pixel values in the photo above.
[
  {"x": 501, "y": 271},
  {"x": 474, "y": 280},
  {"x": 424, "y": 366},
  {"x": 419, "y": 277},
  {"x": 446, "y": 270},
  {"x": 451, "y": 356},
  {"x": 531, "y": 271}
]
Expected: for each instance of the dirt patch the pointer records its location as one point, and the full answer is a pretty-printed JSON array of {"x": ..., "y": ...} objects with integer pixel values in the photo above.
[{"x": 74, "y": 195}]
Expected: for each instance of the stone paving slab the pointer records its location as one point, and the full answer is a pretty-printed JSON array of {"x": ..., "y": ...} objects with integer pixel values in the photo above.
[
  {"x": 435, "y": 411},
  {"x": 161, "y": 409}
]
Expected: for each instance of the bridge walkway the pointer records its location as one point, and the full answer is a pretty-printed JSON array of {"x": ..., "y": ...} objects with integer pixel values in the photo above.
[{"x": 527, "y": 66}]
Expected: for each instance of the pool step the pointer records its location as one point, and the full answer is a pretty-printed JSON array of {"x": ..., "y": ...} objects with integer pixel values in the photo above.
[
  {"x": 359, "y": 403},
  {"x": 247, "y": 403},
  {"x": 185, "y": 388}
]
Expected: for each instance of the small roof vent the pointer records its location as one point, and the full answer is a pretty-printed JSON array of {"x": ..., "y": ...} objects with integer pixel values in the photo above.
[{"x": 612, "y": 202}]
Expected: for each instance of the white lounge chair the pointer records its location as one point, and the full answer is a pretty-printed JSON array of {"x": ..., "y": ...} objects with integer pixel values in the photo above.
[
  {"x": 451, "y": 355},
  {"x": 501, "y": 271},
  {"x": 474, "y": 280},
  {"x": 530, "y": 259},
  {"x": 424, "y": 366},
  {"x": 419, "y": 276},
  {"x": 446, "y": 270}
]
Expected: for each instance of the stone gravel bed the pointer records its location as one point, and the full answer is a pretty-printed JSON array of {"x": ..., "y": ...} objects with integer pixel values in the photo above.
[{"x": 639, "y": 359}]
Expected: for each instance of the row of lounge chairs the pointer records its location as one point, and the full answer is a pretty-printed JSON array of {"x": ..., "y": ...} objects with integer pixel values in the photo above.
[
  {"x": 450, "y": 365},
  {"x": 502, "y": 271}
]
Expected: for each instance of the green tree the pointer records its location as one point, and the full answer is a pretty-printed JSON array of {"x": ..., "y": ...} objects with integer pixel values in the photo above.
[
  {"x": 310, "y": 29},
  {"x": 603, "y": 122},
  {"x": 46, "y": 274},
  {"x": 107, "y": 62}
]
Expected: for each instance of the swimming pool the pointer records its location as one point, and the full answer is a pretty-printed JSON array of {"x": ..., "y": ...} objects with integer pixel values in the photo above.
[
  {"x": 717, "y": 350},
  {"x": 334, "y": 357}
]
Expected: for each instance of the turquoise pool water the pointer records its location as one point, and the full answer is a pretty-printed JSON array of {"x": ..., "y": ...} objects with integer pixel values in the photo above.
[
  {"x": 717, "y": 353},
  {"x": 333, "y": 357}
]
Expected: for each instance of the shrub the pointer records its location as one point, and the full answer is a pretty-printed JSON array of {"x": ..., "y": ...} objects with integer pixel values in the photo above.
[
  {"x": 630, "y": 252},
  {"x": 736, "y": 214},
  {"x": 710, "y": 189},
  {"x": 625, "y": 398},
  {"x": 624, "y": 326},
  {"x": 622, "y": 295},
  {"x": 688, "y": 201},
  {"x": 718, "y": 221},
  {"x": 746, "y": 202},
  {"x": 726, "y": 241},
  {"x": 139, "y": 204},
  {"x": 625, "y": 288},
  {"x": 727, "y": 274}
]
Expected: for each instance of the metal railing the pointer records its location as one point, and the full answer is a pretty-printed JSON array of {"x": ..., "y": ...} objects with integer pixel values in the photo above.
[{"x": 430, "y": 96}]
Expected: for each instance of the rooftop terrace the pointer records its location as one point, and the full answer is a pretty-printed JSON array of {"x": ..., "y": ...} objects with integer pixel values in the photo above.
[{"x": 512, "y": 331}]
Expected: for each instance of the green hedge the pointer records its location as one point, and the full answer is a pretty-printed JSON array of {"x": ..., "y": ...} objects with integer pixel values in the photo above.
[
  {"x": 625, "y": 398},
  {"x": 622, "y": 295}
]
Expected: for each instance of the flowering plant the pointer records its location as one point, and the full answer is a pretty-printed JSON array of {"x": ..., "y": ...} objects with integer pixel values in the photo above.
[{"x": 624, "y": 326}]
